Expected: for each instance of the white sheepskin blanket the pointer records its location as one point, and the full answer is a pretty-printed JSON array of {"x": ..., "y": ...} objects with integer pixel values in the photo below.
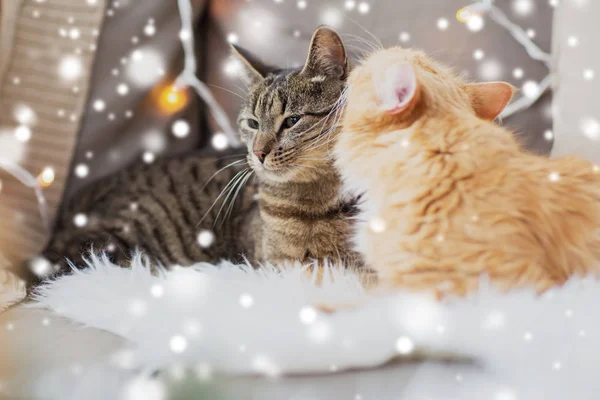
[{"x": 237, "y": 320}]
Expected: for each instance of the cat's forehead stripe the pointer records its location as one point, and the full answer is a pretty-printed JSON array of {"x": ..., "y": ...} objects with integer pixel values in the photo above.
[{"x": 273, "y": 96}]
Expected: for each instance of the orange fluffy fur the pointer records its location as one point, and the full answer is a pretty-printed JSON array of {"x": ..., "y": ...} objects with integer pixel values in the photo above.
[{"x": 452, "y": 196}]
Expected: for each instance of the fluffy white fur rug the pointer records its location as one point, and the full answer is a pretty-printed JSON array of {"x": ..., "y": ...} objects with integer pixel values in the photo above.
[{"x": 237, "y": 320}]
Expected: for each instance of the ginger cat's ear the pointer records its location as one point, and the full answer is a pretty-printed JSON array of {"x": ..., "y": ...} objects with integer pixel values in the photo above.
[
  {"x": 396, "y": 88},
  {"x": 326, "y": 55},
  {"x": 489, "y": 98},
  {"x": 254, "y": 69}
]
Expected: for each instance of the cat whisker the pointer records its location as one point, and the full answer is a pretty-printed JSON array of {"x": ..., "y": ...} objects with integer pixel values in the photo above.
[
  {"x": 221, "y": 195},
  {"x": 232, "y": 202},
  {"x": 372, "y": 47},
  {"x": 325, "y": 137},
  {"x": 321, "y": 137},
  {"x": 228, "y": 91},
  {"x": 230, "y": 193},
  {"x": 375, "y": 38},
  {"x": 221, "y": 170}
]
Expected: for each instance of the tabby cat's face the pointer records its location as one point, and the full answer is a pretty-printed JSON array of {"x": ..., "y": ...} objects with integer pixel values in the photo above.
[{"x": 289, "y": 118}]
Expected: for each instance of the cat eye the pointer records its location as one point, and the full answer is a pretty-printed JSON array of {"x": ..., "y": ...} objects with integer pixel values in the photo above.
[
  {"x": 253, "y": 124},
  {"x": 291, "y": 121}
]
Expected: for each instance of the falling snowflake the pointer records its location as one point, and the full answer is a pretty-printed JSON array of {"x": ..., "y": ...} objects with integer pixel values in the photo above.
[
  {"x": 475, "y": 23},
  {"x": 180, "y": 128},
  {"x": 144, "y": 69},
  {"x": 377, "y": 225},
  {"x": 232, "y": 38},
  {"x": 404, "y": 345},
  {"x": 531, "y": 89},
  {"x": 332, "y": 17},
  {"x": 442, "y": 24},
  {"x": 307, "y": 315},
  {"x": 178, "y": 344},
  {"x": 590, "y": 127},
  {"x": 518, "y": 73},
  {"x": 404, "y": 37},
  {"x": 122, "y": 89},
  {"x": 149, "y": 30},
  {"x": 205, "y": 238},
  {"x": 523, "y": 7},
  {"x": 573, "y": 41},
  {"x": 246, "y": 300},
  {"x": 99, "y": 105},
  {"x": 364, "y": 7},
  {"x": 74, "y": 33},
  {"x": 80, "y": 220},
  {"x": 22, "y": 133},
  {"x": 233, "y": 67},
  {"x": 220, "y": 141},
  {"x": 24, "y": 115},
  {"x": 148, "y": 157},
  {"x": 40, "y": 266},
  {"x": 70, "y": 68},
  {"x": 82, "y": 170}
]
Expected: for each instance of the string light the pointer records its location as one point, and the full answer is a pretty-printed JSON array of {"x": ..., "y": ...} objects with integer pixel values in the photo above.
[
  {"x": 47, "y": 177},
  {"x": 171, "y": 98},
  {"x": 188, "y": 75},
  {"x": 463, "y": 15}
]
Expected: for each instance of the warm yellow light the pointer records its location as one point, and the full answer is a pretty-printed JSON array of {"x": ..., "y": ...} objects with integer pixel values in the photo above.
[
  {"x": 47, "y": 177},
  {"x": 172, "y": 99},
  {"x": 463, "y": 15}
]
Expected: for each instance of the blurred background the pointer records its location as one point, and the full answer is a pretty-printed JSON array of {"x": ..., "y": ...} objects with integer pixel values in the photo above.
[{"x": 87, "y": 87}]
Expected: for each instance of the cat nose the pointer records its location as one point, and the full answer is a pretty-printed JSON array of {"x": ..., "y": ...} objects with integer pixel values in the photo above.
[{"x": 261, "y": 155}]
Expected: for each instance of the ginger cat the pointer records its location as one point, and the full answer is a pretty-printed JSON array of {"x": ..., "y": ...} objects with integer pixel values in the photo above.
[{"x": 450, "y": 195}]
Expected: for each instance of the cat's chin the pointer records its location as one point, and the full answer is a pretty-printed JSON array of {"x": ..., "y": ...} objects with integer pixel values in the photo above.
[
  {"x": 275, "y": 176},
  {"x": 296, "y": 175}
]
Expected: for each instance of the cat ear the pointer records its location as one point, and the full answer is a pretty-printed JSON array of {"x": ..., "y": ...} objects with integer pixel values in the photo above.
[
  {"x": 254, "y": 69},
  {"x": 326, "y": 55},
  {"x": 396, "y": 88},
  {"x": 489, "y": 98}
]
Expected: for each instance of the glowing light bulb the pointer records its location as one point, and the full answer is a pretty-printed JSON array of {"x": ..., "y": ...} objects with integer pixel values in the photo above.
[
  {"x": 171, "y": 99},
  {"x": 463, "y": 15},
  {"x": 47, "y": 177}
]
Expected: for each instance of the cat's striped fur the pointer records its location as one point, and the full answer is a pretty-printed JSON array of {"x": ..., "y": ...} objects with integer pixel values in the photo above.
[
  {"x": 161, "y": 209},
  {"x": 290, "y": 209}
]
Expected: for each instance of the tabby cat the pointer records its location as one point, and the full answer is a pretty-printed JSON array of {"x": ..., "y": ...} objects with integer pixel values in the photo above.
[
  {"x": 196, "y": 208},
  {"x": 452, "y": 196}
]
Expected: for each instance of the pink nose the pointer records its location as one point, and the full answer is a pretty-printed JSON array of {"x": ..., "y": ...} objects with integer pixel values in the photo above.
[{"x": 261, "y": 155}]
